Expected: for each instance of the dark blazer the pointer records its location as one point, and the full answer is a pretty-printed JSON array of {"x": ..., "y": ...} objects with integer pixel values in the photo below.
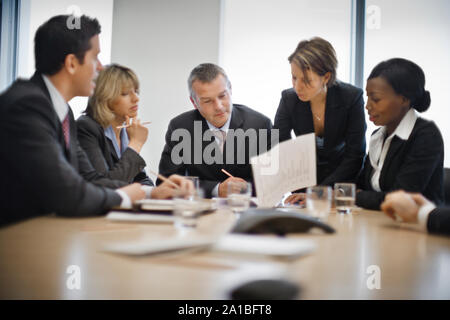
[
  {"x": 344, "y": 130},
  {"x": 210, "y": 174},
  {"x": 439, "y": 221},
  {"x": 103, "y": 157},
  {"x": 39, "y": 175},
  {"x": 414, "y": 165}
]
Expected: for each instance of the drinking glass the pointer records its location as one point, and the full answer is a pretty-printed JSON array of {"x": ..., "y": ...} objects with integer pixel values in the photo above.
[
  {"x": 344, "y": 196},
  {"x": 239, "y": 195},
  {"x": 187, "y": 208},
  {"x": 318, "y": 201},
  {"x": 195, "y": 180}
]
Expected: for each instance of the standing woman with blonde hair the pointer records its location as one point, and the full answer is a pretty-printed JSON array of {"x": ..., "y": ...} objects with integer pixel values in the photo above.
[
  {"x": 114, "y": 152},
  {"x": 333, "y": 110}
]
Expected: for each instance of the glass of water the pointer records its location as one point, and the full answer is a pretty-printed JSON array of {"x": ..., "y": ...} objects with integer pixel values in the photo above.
[
  {"x": 195, "y": 180},
  {"x": 239, "y": 195},
  {"x": 187, "y": 208},
  {"x": 318, "y": 201},
  {"x": 344, "y": 196}
]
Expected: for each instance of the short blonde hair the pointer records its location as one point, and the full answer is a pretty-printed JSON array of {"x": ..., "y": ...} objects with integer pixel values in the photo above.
[
  {"x": 317, "y": 55},
  {"x": 109, "y": 85}
]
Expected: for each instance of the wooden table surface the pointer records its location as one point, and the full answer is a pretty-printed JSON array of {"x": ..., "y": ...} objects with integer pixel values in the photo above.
[{"x": 35, "y": 256}]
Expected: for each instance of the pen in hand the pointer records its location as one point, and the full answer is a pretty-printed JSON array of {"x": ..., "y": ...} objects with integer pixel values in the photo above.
[
  {"x": 227, "y": 173},
  {"x": 127, "y": 125}
]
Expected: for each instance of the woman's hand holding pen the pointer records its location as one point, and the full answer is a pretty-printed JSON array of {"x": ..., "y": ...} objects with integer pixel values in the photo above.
[{"x": 137, "y": 134}]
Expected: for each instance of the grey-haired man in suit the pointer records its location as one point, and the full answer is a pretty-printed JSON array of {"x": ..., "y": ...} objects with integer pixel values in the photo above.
[{"x": 216, "y": 135}]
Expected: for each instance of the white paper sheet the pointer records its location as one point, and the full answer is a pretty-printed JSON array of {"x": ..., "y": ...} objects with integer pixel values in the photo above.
[
  {"x": 230, "y": 243},
  {"x": 288, "y": 166},
  {"x": 139, "y": 217}
]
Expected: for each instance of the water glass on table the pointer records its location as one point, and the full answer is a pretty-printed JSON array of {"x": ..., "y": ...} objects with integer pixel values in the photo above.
[
  {"x": 195, "y": 180},
  {"x": 239, "y": 195},
  {"x": 318, "y": 201},
  {"x": 187, "y": 208},
  {"x": 344, "y": 197}
]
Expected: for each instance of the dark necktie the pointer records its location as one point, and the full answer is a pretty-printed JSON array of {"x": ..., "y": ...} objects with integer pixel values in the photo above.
[{"x": 66, "y": 130}]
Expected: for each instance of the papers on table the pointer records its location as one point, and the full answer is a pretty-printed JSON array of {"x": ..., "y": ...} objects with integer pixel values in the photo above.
[
  {"x": 231, "y": 243},
  {"x": 288, "y": 166},
  {"x": 158, "y": 246},
  {"x": 168, "y": 205},
  {"x": 139, "y": 217},
  {"x": 264, "y": 245},
  {"x": 155, "y": 205}
]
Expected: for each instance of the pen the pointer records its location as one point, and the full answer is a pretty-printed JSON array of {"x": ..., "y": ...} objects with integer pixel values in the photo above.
[
  {"x": 164, "y": 178},
  {"x": 227, "y": 173},
  {"x": 127, "y": 125}
]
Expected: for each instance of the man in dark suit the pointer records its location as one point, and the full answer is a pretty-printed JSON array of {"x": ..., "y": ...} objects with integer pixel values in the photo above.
[
  {"x": 416, "y": 209},
  {"x": 42, "y": 167},
  {"x": 216, "y": 135}
]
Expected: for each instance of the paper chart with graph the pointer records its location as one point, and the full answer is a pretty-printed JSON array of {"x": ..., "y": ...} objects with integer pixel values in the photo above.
[{"x": 288, "y": 166}]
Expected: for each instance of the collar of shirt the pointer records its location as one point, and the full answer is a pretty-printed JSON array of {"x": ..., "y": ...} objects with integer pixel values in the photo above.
[
  {"x": 111, "y": 135},
  {"x": 59, "y": 104},
  {"x": 378, "y": 148}
]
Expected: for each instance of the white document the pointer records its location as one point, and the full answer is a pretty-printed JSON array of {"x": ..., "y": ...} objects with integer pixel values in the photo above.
[
  {"x": 230, "y": 243},
  {"x": 288, "y": 166},
  {"x": 139, "y": 217},
  {"x": 137, "y": 248},
  {"x": 264, "y": 245}
]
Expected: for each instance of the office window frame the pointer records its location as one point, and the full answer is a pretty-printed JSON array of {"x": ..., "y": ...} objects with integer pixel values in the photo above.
[
  {"x": 358, "y": 25},
  {"x": 9, "y": 28}
]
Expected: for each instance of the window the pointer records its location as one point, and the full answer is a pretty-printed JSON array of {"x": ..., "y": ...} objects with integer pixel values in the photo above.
[{"x": 8, "y": 41}]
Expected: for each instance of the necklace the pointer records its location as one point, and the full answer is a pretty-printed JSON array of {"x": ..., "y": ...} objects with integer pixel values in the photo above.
[{"x": 317, "y": 117}]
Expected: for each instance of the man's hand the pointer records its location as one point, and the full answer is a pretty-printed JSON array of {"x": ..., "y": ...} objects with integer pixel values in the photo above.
[
  {"x": 167, "y": 190},
  {"x": 134, "y": 191},
  {"x": 404, "y": 205},
  {"x": 223, "y": 187}
]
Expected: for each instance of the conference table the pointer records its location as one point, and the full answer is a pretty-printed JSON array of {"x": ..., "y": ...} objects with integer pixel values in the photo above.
[{"x": 36, "y": 258}]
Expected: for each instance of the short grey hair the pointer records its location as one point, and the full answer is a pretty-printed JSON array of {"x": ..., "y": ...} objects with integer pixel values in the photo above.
[{"x": 206, "y": 73}]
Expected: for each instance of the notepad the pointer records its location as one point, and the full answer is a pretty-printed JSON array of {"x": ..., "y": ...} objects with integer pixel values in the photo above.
[
  {"x": 155, "y": 205},
  {"x": 168, "y": 205}
]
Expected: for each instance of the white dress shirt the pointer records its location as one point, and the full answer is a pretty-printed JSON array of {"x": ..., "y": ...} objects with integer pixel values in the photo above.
[
  {"x": 378, "y": 150},
  {"x": 59, "y": 104},
  {"x": 423, "y": 214}
]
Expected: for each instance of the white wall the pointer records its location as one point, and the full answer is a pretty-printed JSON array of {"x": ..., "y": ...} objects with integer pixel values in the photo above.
[
  {"x": 419, "y": 31},
  {"x": 36, "y": 12},
  {"x": 259, "y": 35},
  {"x": 162, "y": 41}
]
